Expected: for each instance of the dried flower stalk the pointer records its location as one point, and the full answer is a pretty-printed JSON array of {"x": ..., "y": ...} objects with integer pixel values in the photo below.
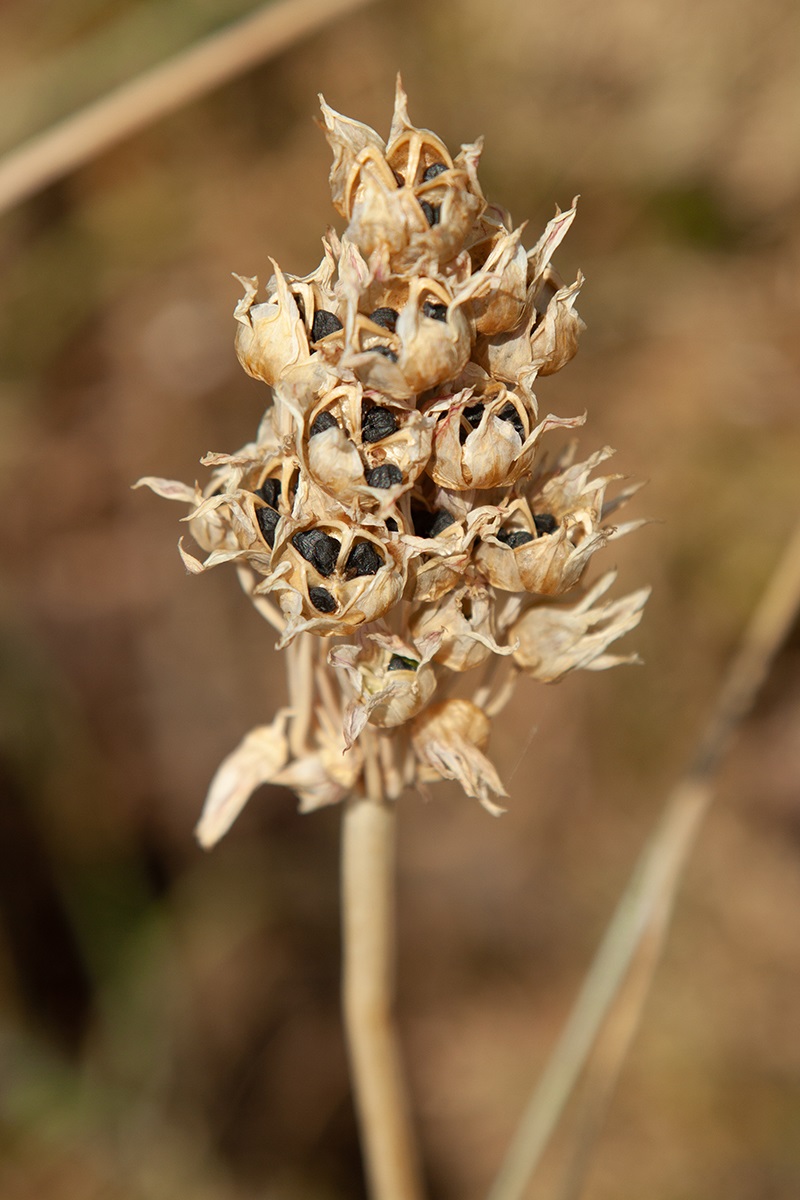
[{"x": 395, "y": 521}]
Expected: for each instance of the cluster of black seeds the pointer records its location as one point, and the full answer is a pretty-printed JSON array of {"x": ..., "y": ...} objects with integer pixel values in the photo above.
[{"x": 319, "y": 549}]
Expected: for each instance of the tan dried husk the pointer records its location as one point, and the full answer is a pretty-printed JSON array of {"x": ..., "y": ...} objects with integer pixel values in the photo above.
[{"x": 440, "y": 604}]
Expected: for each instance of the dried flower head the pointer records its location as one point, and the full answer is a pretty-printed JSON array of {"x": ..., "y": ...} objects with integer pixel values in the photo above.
[{"x": 395, "y": 496}]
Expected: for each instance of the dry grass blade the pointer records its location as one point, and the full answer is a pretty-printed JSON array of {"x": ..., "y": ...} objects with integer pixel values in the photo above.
[
  {"x": 637, "y": 929},
  {"x": 185, "y": 77}
]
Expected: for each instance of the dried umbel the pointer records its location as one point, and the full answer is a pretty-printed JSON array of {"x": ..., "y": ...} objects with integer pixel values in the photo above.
[{"x": 395, "y": 519}]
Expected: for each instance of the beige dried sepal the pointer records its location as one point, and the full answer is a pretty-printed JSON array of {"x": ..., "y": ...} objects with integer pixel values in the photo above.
[
  {"x": 553, "y": 641},
  {"x": 256, "y": 760},
  {"x": 464, "y": 619},
  {"x": 448, "y": 739}
]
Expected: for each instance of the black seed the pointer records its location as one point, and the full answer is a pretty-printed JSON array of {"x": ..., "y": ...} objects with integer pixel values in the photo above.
[
  {"x": 363, "y": 559},
  {"x": 436, "y": 312},
  {"x": 473, "y": 414},
  {"x": 514, "y": 538},
  {"x": 270, "y": 491},
  {"x": 267, "y": 520},
  {"x": 377, "y": 423},
  {"x": 545, "y": 523},
  {"x": 384, "y": 476},
  {"x": 318, "y": 548},
  {"x": 391, "y": 524},
  {"x": 386, "y": 351},
  {"x": 431, "y": 211},
  {"x": 324, "y": 323},
  {"x": 322, "y": 600},
  {"x": 428, "y": 524},
  {"x": 442, "y": 519},
  {"x": 399, "y": 663},
  {"x": 321, "y": 422},
  {"x": 432, "y": 171},
  {"x": 509, "y": 413},
  {"x": 387, "y": 317}
]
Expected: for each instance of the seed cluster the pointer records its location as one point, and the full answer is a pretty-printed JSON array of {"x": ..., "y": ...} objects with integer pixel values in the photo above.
[{"x": 395, "y": 494}]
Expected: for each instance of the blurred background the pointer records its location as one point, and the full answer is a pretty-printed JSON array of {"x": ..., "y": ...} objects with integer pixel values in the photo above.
[{"x": 169, "y": 1022}]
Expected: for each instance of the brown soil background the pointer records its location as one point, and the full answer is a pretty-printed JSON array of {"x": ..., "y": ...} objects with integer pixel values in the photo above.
[{"x": 169, "y": 1020}]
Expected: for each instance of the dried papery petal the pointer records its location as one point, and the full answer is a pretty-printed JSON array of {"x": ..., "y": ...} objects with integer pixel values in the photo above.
[
  {"x": 465, "y": 620},
  {"x": 553, "y": 640},
  {"x": 501, "y": 260},
  {"x": 448, "y": 738},
  {"x": 270, "y": 336},
  {"x": 256, "y": 760},
  {"x": 348, "y": 139}
]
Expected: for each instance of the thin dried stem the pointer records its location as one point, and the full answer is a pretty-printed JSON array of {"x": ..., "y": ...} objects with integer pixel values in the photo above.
[
  {"x": 638, "y": 928},
  {"x": 185, "y": 77},
  {"x": 368, "y": 988}
]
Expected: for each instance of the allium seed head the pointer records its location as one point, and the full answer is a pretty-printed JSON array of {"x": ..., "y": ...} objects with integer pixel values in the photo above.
[{"x": 395, "y": 494}]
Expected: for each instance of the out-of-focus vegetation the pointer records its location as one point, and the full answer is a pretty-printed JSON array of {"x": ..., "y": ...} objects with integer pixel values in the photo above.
[{"x": 169, "y": 1020}]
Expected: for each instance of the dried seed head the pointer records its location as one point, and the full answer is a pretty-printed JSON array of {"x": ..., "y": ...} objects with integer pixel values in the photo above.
[{"x": 395, "y": 482}]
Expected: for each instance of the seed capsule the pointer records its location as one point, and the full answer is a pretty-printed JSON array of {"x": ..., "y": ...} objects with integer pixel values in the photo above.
[
  {"x": 377, "y": 423},
  {"x": 322, "y": 600},
  {"x": 324, "y": 323},
  {"x": 384, "y": 476},
  {"x": 318, "y": 548},
  {"x": 363, "y": 559}
]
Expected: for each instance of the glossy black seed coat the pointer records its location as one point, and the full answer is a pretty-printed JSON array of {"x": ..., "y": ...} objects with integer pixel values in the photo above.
[
  {"x": 318, "y": 548},
  {"x": 545, "y": 523},
  {"x": 509, "y": 413},
  {"x": 384, "y": 476},
  {"x": 432, "y": 212},
  {"x": 267, "y": 520},
  {"x": 321, "y": 422},
  {"x": 363, "y": 559},
  {"x": 324, "y": 323},
  {"x": 391, "y": 524},
  {"x": 322, "y": 600},
  {"x": 386, "y": 351},
  {"x": 377, "y": 423},
  {"x": 398, "y": 662},
  {"x": 437, "y": 312},
  {"x": 514, "y": 538},
  {"x": 386, "y": 317},
  {"x": 432, "y": 171},
  {"x": 270, "y": 491}
]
